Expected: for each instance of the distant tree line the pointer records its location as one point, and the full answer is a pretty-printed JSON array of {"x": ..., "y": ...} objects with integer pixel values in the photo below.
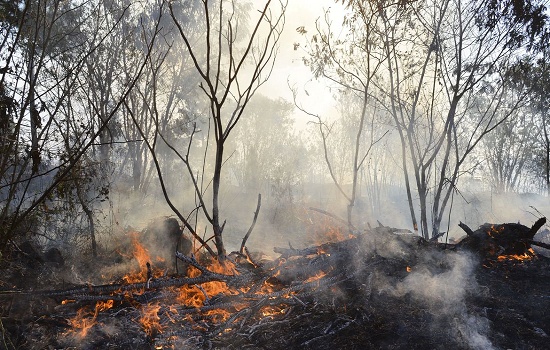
[{"x": 108, "y": 108}]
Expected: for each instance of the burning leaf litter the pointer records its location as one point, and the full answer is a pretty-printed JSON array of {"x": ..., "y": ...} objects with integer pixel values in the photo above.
[{"x": 378, "y": 289}]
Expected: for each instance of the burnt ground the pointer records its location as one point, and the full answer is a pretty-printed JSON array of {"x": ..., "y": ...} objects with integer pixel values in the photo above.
[{"x": 381, "y": 291}]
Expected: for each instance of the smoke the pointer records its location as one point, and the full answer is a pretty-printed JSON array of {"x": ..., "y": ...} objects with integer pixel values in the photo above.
[{"x": 442, "y": 282}]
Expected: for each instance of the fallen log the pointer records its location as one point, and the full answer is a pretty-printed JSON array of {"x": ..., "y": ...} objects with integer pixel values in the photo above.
[
  {"x": 333, "y": 292},
  {"x": 157, "y": 283}
]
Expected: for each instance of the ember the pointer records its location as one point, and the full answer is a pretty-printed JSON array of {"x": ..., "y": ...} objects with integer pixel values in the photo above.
[
  {"x": 342, "y": 293},
  {"x": 528, "y": 255}
]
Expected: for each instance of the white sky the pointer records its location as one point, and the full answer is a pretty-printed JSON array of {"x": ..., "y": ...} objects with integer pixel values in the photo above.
[{"x": 289, "y": 65}]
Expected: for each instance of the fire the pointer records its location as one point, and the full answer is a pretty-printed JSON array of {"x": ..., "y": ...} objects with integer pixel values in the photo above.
[
  {"x": 317, "y": 277},
  {"x": 83, "y": 321},
  {"x": 195, "y": 296},
  {"x": 321, "y": 251},
  {"x": 267, "y": 288},
  {"x": 142, "y": 256},
  {"x": 336, "y": 234},
  {"x": 495, "y": 230},
  {"x": 528, "y": 255},
  {"x": 154, "y": 317},
  {"x": 104, "y": 305},
  {"x": 86, "y": 319},
  {"x": 218, "y": 315},
  {"x": 150, "y": 320},
  {"x": 272, "y": 311},
  {"x": 323, "y": 229}
]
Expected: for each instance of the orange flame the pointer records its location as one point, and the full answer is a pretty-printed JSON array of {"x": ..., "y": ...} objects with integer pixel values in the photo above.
[
  {"x": 142, "y": 256},
  {"x": 86, "y": 319},
  {"x": 195, "y": 296},
  {"x": 150, "y": 320},
  {"x": 323, "y": 229},
  {"x": 267, "y": 287},
  {"x": 218, "y": 315},
  {"x": 495, "y": 230},
  {"x": 528, "y": 255},
  {"x": 317, "y": 277},
  {"x": 83, "y": 321},
  {"x": 272, "y": 311}
]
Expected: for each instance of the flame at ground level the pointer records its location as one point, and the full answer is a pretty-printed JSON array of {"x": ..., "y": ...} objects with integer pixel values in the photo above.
[
  {"x": 528, "y": 255},
  {"x": 150, "y": 320},
  {"x": 86, "y": 319},
  {"x": 154, "y": 317}
]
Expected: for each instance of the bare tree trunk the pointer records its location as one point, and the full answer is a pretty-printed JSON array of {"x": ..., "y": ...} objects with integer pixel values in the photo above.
[
  {"x": 89, "y": 215},
  {"x": 34, "y": 115},
  {"x": 218, "y": 85},
  {"x": 394, "y": 113},
  {"x": 546, "y": 151},
  {"x": 218, "y": 230}
]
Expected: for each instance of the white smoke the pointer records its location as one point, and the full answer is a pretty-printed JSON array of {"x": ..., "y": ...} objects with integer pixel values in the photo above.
[{"x": 444, "y": 293}]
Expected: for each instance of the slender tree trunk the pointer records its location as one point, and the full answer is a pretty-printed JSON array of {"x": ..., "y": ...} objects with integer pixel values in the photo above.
[
  {"x": 136, "y": 166},
  {"x": 423, "y": 198},
  {"x": 393, "y": 97},
  {"x": 34, "y": 115},
  {"x": 547, "y": 154},
  {"x": 407, "y": 181},
  {"x": 90, "y": 216},
  {"x": 218, "y": 229},
  {"x": 356, "y": 165}
]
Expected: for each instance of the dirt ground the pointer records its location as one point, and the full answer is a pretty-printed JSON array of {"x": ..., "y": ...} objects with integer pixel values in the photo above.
[{"x": 379, "y": 290}]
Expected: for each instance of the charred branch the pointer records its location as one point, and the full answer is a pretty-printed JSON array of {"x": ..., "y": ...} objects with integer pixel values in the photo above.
[
  {"x": 242, "y": 251},
  {"x": 333, "y": 289},
  {"x": 158, "y": 283},
  {"x": 540, "y": 244},
  {"x": 536, "y": 226},
  {"x": 466, "y": 229},
  {"x": 494, "y": 240}
]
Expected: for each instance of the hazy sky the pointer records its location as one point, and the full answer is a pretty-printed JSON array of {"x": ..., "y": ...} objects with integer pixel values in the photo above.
[{"x": 289, "y": 64}]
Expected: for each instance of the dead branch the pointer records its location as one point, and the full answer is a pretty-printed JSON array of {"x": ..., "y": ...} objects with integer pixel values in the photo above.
[
  {"x": 158, "y": 283},
  {"x": 466, "y": 229},
  {"x": 536, "y": 226},
  {"x": 340, "y": 220},
  {"x": 253, "y": 224},
  {"x": 540, "y": 244}
]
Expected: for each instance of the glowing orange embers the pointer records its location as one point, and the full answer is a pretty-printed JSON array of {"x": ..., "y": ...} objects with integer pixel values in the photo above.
[
  {"x": 528, "y": 255},
  {"x": 267, "y": 311},
  {"x": 268, "y": 286},
  {"x": 317, "y": 277},
  {"x": 322, "y": 229},
  {"x": 162, "y": 312},
  {"x": 494, "y": 231}
]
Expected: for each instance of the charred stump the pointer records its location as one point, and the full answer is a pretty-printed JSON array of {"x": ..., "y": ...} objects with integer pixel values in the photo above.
[{"x": 492, "y": 241}]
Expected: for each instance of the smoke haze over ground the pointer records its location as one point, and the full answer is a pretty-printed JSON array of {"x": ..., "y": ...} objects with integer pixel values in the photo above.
[{"x": 344, "y": 116}]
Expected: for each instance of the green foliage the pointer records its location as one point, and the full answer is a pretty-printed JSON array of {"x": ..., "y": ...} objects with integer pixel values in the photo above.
[{"x": 531, "y": 15}]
